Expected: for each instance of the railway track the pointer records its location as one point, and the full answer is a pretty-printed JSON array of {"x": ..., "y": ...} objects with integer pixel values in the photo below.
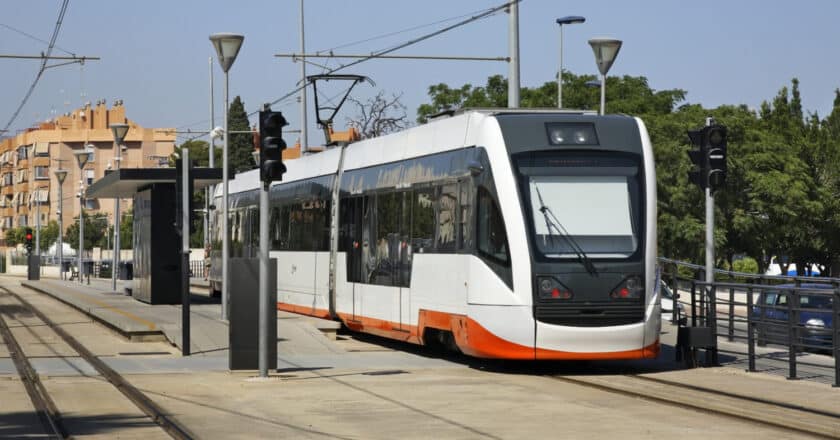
[
  {"x": 789, "y": 417},
  {"x": 48, "y": 413}
]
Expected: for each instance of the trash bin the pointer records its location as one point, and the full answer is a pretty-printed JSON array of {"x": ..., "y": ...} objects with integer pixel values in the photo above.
[
  {"x": 105, "y": 268},
  {"x": 87, "y": 267},
  {"x": 65, "y": 266},
  {"x": 126, "y": 270}
]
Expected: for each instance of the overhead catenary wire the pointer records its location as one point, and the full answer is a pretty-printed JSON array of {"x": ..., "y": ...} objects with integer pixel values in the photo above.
[
  {"x": 13, "y": 29},
  {"x": 485, "y": 13},
  {"x": 43, "y": 67}
]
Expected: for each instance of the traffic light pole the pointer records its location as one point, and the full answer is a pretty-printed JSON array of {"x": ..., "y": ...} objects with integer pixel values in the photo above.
[
  {"x": 185, "y": 249},
  {"x": 264, "y": 296},
  {"x": 710, "y": 227}
]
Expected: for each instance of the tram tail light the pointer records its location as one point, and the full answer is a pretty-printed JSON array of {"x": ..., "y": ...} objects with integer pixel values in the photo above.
[
  {"x": 631, "y": 287},
  {"x": 550, "y": 288}
]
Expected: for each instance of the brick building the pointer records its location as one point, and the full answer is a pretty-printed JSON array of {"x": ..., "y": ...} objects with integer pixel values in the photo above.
[{"x": 28, "y": 186}]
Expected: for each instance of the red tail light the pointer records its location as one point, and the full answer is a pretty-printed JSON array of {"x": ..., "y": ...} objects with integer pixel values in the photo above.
[
  {"x": 631, "y": 287},
  {"x": 551, "y": 288}
]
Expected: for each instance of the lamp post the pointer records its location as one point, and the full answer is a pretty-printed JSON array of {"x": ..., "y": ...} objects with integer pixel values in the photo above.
[
  {"x": 569, "y": 19},
  {"x": 227, "y": 48},
  {"x": 82, "y": 157},
  {"x": 119, "y": 131},
  {"x": 605, "y": 49},
  {"x": 60, "y": 175}
]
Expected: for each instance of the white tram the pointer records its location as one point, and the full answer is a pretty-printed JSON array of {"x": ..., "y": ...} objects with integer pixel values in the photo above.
[{"x": 505, "y": 233}]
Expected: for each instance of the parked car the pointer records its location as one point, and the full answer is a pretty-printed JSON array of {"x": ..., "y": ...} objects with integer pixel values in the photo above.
[
  {"x": 814, "y": 328},
  {"x": 667, "y": 302}
]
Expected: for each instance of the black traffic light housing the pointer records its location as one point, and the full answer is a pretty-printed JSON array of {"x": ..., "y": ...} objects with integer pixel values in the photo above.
[
  {"x": 272, "y": 146},
  {"x": 28, "y": 241},
  {"x": 709, "y": 157}
]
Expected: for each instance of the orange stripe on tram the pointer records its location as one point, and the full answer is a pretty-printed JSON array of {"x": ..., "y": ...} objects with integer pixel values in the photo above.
[{"x": 470, "y": 336}]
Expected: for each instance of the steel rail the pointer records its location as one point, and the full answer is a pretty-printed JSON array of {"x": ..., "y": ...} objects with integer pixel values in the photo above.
[
  {"x": 44, "y": 406},
  {"x": 151, "y": 409},
  {"x": 703, "y": 406}
]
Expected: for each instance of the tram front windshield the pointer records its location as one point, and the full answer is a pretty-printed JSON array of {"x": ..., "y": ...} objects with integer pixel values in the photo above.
[{"x": 582, "y": 203}]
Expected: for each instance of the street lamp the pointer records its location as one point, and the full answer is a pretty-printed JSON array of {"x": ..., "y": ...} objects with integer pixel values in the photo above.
[
  {"x": 60, "y": 175},
  {"x": 605, "y": 49},
  {"x": 569, "y": 19},
  {"x": 119, "y": 131},
  {"x": 227, "y": 48},
  {"x": 82, "y": 157}
]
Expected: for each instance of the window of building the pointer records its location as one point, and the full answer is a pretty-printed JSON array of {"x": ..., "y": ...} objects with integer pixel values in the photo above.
[
  {"x": 22, "y": 220},
  {"x": 89, "y": 176},
  {"x": 22, "y": 152},
  {"x": 42, "y": 172},
  {"x": 42, "y": 149}
]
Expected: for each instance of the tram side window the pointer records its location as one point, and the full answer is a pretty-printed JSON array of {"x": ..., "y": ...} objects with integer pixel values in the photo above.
[
  {"x": 492, "y": 238},
  {"x": 447, "y": 217},
  {"x": 422, "y": 221},
  {"x": 465, "y": 239},
  {"x": 385, "y": 250},
  {"x": 308, "y": 225},
  {"x": 277, "y": 229},
  {"x": 235, "y": 224}
]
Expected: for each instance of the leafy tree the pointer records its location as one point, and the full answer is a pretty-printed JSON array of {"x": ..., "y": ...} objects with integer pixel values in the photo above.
[
  {"x": 49, "y": 235},
  {"x": 782, "y": 194},
  {"x": 95, "y": 231},
  {"x": 241, "y": 145}
]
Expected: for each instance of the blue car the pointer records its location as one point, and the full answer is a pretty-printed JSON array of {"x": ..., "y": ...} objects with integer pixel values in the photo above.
[{"x": 815, "y": 327}]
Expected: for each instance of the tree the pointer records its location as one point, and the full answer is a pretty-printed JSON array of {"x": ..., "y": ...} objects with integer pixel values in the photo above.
[
  {"x": 379, "y": 115},
  {"x": 49, "y": 235},
  {"x": 782, "y": 194},
  {"x": 241, "y": 145},
  {"x": 95, "y": 231}
]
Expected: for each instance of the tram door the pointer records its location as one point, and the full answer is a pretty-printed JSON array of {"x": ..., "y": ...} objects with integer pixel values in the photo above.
[
  {"x": 353, "y": 217},
  {"x": 379, "y": 255}
]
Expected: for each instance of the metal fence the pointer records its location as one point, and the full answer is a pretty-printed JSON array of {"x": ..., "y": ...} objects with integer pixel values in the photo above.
[{"x": 769, "y": 319}]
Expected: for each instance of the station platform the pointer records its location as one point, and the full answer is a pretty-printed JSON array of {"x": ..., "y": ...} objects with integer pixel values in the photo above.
[
  {"x": 138, "y": 321},
  {"x": 308, "y": 350}
]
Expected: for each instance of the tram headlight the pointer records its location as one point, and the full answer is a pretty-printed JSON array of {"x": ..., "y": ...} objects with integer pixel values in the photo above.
[
  {"x": 631, "y": 287},
  {"x": 551, "y": 288},
  {"x": 571, "y": 134}
]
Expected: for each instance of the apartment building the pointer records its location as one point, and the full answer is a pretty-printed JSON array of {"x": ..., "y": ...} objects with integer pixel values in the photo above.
[{"x": 28, "y": 185}]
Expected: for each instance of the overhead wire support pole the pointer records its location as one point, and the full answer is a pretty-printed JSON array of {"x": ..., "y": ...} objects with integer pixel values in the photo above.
[{"x": 303, "y": 56}]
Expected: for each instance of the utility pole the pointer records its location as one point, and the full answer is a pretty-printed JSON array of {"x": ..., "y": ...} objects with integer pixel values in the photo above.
[
  {"x": 208, "y": 192},
  {"x": 513, "y": 53},
  {"x": 304, "y": 140}
]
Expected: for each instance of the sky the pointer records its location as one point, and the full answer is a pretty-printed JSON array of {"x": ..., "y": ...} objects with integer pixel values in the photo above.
[{"x": 154, "y": 53}]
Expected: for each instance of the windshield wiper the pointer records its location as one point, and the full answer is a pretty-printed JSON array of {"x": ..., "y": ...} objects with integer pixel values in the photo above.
[{"x": 551, "y": 221}]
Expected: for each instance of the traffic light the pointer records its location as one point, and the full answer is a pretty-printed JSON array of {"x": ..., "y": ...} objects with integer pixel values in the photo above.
[
  {"x": 698, "y": 174},
  {"x": 709, "y": 157},
  {"x": 28, "y": 243},
  {"x": 716, "y": 152},
  {"x": 271, "y": 146}
]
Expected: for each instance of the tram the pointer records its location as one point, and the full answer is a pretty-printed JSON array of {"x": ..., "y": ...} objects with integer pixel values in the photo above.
[{"x": 511, "y": 234}]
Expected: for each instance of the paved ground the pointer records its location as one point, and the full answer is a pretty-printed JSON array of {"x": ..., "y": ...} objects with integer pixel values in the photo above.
[{"x": 353, "y": 387}]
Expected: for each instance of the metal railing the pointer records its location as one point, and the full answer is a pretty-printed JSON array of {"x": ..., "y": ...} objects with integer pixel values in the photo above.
[{"x": 756, "y": 311}]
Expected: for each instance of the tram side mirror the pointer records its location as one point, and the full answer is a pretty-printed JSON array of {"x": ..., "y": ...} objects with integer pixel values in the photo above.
[
  {"x": 212, "y": 207},
  {"x": 475, "y": 167}
]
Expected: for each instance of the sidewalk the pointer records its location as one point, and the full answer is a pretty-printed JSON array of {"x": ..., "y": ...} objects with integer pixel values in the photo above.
[{"x": 139, "y": 321}]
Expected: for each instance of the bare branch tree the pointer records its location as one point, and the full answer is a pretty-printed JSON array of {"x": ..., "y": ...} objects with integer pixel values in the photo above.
[{"x": 379, "y": 115}]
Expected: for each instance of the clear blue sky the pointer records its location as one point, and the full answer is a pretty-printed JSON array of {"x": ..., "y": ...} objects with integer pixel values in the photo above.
[{"x": 155, "y": 53}]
